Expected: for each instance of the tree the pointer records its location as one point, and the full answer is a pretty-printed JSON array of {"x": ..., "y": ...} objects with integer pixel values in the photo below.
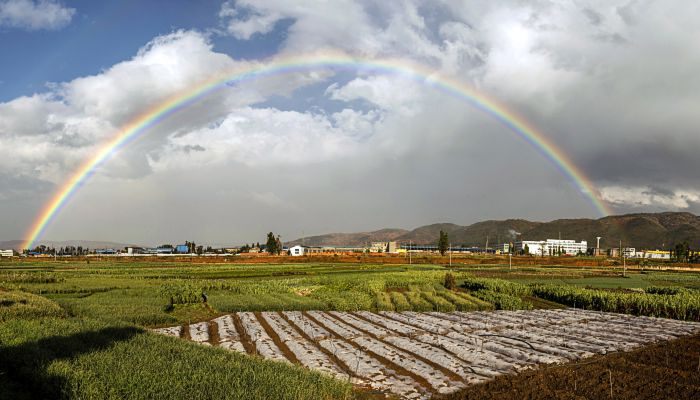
[
  {"x": 278, "y": 242},
  {"x": 271, "y": 245},
  {"x": 526, "y": 250},
  {"x": 443, "y": 242}
]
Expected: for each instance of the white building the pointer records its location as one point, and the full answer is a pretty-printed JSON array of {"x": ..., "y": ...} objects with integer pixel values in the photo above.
[
  {"x": 6, "y": 253},
  {"x": 552, "y": 247},
  {"x": 654, "y": 254},
  {"x": 383, "y": 247},
  {"x": 296, "y": 251}
]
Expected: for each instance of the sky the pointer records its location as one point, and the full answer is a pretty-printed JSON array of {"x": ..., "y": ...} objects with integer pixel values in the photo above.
[{"x": 612, "y": 83}]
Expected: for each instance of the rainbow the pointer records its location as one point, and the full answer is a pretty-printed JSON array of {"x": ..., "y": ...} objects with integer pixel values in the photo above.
[{"x": 320, "y": 61}]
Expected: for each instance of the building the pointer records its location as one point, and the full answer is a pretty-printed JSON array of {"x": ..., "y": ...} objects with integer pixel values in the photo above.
[
  {"x": 628, "y": 252},
  {"x": 383, "y": 247},
  {"x": 7, "y": 253},
  {"x": 105, "y": 251},
  {"x": 296, "y": 251},
  {"x": 552, "y": 247},
  {"x": 654, "y": 254},
  {"x": 182, "y": 249}
]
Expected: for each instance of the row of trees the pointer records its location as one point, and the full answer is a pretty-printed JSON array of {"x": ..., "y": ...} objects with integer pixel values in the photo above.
[
  {"x": 61, "y": 251},
  {"x": 681, "y": 253}
]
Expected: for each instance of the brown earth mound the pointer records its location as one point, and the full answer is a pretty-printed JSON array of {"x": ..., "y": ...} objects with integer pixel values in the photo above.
[{"x": 669, "y": 370}]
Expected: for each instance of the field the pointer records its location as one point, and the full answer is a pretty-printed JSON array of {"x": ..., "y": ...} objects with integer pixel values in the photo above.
[
  {"x": 416, "y": 355},
  {"x": 79, "y": 328}
]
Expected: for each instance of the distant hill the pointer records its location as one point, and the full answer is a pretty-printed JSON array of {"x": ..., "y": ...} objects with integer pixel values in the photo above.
[
  {"x": 649, "y": 231},
  {"x": 350, "y": 239},
  {"x": 90, "y": 244}
]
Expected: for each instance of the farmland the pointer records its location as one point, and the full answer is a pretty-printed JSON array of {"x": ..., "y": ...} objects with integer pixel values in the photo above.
[{"x": 50, "y": 310}]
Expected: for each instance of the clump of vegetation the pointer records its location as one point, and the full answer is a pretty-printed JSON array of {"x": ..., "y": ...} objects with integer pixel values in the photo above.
[
  {"x": 497, "y": 285},
  {"x": 15, "y": 304},
  {"x": 503, "y": 301},
  {"x": 450, "y": 281},
  {"x": 182, "y": 293},
  {"x": 418, "y": 303},
  {"x": 383, "y": 302},
  {"x": 665, "y": 290},
  {"x": 400, "y": 302},
  {"x": 439, "y": 303}
]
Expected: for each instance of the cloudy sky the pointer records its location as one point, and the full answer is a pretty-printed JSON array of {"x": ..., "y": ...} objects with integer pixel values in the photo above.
[{"x": 613, "y": 83}]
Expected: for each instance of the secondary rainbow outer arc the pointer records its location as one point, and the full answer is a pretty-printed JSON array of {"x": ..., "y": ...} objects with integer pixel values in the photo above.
[{"x": 458, "y": 89}]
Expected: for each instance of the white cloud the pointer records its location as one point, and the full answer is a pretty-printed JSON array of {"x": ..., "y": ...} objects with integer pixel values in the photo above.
[
  {"x": 389, "y": 93},
  {"x": 51, "y": 133},
  {"x": 646, "y": 196},
  {"x": 35, "y": 15},
  {"x": 266, "y": 136}
]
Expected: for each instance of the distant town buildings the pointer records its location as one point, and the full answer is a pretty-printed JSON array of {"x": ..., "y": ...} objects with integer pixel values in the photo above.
[{"x": 7, "y": 253}]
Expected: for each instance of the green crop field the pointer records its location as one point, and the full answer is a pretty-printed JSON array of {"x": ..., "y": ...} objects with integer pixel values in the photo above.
[{"x": 80, "y": 330}]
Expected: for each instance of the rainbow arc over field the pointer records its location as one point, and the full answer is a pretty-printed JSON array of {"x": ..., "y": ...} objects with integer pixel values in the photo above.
[{"x": 306, "y": 63}]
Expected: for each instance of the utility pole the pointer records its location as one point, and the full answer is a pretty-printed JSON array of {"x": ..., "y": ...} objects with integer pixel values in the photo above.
[
  {"x": 450, "y": 255},
  {"x": 510, "y": 261}
]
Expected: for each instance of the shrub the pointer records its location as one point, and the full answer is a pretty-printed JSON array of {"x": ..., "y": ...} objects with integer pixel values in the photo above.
[{"x": 450, "y": 281}]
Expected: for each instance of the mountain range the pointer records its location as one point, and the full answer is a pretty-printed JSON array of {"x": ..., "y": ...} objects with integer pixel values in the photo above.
[
  {"x": 648, "y": 231},
  {"x": 90, "y": 244}
]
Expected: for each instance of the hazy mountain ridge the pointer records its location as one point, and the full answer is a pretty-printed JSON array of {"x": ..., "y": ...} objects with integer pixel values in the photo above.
[
  {"x": 644, "y": 230},
  {"x": 90, "y": 244}
]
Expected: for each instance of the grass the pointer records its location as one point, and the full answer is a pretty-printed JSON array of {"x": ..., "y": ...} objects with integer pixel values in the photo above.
[
  {"x": 87, "y": 359},
  {"x": 76, "y": 330},
  {"x": 26, "y": 305}
]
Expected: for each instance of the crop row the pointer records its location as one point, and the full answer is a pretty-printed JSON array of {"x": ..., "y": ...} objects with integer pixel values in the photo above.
[{"x": 666, "y": 302}]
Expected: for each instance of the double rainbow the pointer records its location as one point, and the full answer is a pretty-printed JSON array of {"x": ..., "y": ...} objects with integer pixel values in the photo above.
[{"x": 333, "y": 61}]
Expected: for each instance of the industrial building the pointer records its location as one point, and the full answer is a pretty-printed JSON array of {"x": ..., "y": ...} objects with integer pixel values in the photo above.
[
  {"x": 7, "y": 253},
  {"x": 383, "y": 247},
  {"x": 552, "y": 247}
]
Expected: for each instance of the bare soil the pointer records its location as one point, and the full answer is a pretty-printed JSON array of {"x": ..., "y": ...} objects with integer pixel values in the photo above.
[{"x": 668, "y": 370}]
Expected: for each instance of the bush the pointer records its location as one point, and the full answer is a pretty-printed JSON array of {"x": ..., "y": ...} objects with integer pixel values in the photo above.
[{"x": 450, "y": 281}]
